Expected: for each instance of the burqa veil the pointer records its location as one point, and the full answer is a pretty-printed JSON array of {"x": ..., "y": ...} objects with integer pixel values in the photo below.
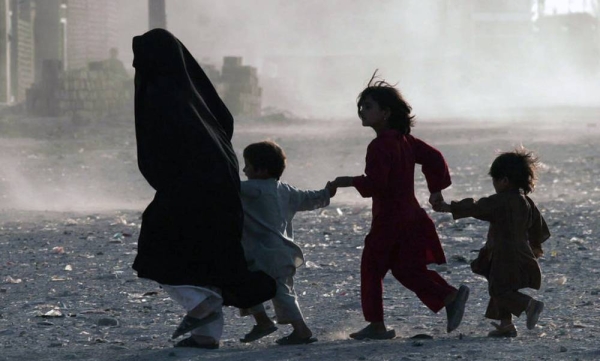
[{"x": 191, "y": 231}]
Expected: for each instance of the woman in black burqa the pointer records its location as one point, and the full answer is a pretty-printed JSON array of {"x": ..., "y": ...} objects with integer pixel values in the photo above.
[{"x": 190, "y": 240}]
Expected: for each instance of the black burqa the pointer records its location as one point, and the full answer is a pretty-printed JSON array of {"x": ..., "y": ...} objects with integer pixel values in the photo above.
[{"x": 191, "y": 231}]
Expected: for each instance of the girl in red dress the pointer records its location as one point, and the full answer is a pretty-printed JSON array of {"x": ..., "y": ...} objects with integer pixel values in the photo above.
[{"x": 402, "y": 238}]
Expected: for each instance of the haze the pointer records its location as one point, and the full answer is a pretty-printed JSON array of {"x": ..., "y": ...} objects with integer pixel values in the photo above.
[{"x": 313, "y": 56}]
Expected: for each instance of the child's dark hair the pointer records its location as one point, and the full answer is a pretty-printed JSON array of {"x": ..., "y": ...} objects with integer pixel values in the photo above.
[
  {"x": 388, "y": 97},
  {"x": 518, "y": 166},
  {"x": 266, "y": 155}
]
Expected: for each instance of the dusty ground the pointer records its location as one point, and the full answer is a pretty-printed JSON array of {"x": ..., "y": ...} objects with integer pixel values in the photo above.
[{"x": 72, "y": 199}]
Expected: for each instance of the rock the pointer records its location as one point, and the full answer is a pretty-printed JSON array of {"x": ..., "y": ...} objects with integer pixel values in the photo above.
[
  {"x": 107, "y": 322},
  {"x": 458, "y": 258}
]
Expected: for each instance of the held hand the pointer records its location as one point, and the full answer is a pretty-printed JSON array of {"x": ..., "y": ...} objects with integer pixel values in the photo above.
[
  {"x": 537, "y": 252},
  {"x": 341, "y": 182},
  {"x": 442, "y": 207},
  {"x": 436, "y": 198},
  {"x": 331, "y": 188}
]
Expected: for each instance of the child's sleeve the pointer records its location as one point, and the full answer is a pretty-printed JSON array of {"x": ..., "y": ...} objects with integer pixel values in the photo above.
[
  {"x": 377, "y": 171},
  {"x": 307, "y": 200},
  {"x": 538, "y": 233},
  {"x": 482, "y": 208},
  {"x": 433, "y": 166}
]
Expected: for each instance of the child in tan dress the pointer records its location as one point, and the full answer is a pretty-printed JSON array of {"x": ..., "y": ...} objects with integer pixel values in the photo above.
[{"x": 514, "y": 241}]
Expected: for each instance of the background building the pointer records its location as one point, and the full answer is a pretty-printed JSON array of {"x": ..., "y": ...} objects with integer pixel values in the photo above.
[
  {"x": 16, "y": 49},
  {"x": 67, "y": 33}
]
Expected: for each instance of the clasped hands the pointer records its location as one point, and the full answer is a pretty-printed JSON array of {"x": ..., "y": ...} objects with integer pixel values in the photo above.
[
  {"x": 436, "y": 199},
  {"x": 339, "y": 182},
  {"x": 437, "y": 202}
]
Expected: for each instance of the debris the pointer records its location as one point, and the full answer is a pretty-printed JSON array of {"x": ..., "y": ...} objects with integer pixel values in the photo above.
[
  {"x": 107, "y": 321},
  {"x": 458, "y": 258},
  {"x": 9, "y": 279},
  {"x": 310, "y": 264},
  {"x": 560, "y": 280},
  {"x": 58, "y": 250},
  {"x": 53, "y": 313}
]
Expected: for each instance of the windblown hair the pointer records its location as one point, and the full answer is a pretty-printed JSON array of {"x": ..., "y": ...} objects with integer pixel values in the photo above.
[
  {"x": 518, "y": 166},
  {"x": 266, "y": 155},
  {"x": 388, "y": 97}
]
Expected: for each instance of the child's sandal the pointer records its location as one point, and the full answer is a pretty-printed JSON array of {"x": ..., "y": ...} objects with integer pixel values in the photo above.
[{"x": 503, "y": 331}]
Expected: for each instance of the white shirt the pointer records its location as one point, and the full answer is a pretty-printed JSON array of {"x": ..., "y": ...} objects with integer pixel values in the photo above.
[{"x": 268, "y": 238}]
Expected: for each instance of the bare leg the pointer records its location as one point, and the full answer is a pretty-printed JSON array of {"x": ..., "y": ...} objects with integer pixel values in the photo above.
[
  {"x": 263, "y": 321},
  {"x": 506, "y": 321},
  {"x": 505, "y": 328},
  {"x": 301, "y": 329}
]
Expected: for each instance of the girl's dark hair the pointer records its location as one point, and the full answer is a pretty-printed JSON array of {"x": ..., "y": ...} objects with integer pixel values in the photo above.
[
  {"x": 518, "y": 166},
  {"x": 266, "y": 155},
  {"x": 388, "y": 97}
]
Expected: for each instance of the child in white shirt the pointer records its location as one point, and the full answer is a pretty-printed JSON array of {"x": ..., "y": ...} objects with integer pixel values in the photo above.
[{"x": 269, "y": 207}]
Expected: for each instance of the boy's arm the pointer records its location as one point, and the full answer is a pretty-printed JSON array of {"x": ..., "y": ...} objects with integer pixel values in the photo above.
[
  {"x": 538, "y": 233},
  {"x": 482, "y": 209},
  {"x": 307, "y": 200}
]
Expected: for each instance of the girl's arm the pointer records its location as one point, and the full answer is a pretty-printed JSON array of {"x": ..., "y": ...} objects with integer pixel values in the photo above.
[
  {"x": 376, "y": 175},
  {"x": 434, "y": 166}
]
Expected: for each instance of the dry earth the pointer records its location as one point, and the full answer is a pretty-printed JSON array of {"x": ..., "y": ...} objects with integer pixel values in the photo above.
[{"x": 70, "y": 215}]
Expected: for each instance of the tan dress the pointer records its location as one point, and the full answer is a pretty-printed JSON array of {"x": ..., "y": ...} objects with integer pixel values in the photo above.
[{"x": 507, "y": 259}]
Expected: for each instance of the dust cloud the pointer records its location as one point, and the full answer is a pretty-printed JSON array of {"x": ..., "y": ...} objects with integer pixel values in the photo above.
[
  {"x": 501, "y": 62},
  {"x": 448, "y": 57}
]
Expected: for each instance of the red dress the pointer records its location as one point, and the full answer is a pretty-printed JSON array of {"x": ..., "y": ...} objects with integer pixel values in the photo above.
[{"x": 402, "y": 238}]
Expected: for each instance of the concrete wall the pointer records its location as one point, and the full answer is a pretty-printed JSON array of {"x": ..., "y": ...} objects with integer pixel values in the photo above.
[
  {"x": 241, "y": 91},
  {"x": 104, "y": 87}
]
